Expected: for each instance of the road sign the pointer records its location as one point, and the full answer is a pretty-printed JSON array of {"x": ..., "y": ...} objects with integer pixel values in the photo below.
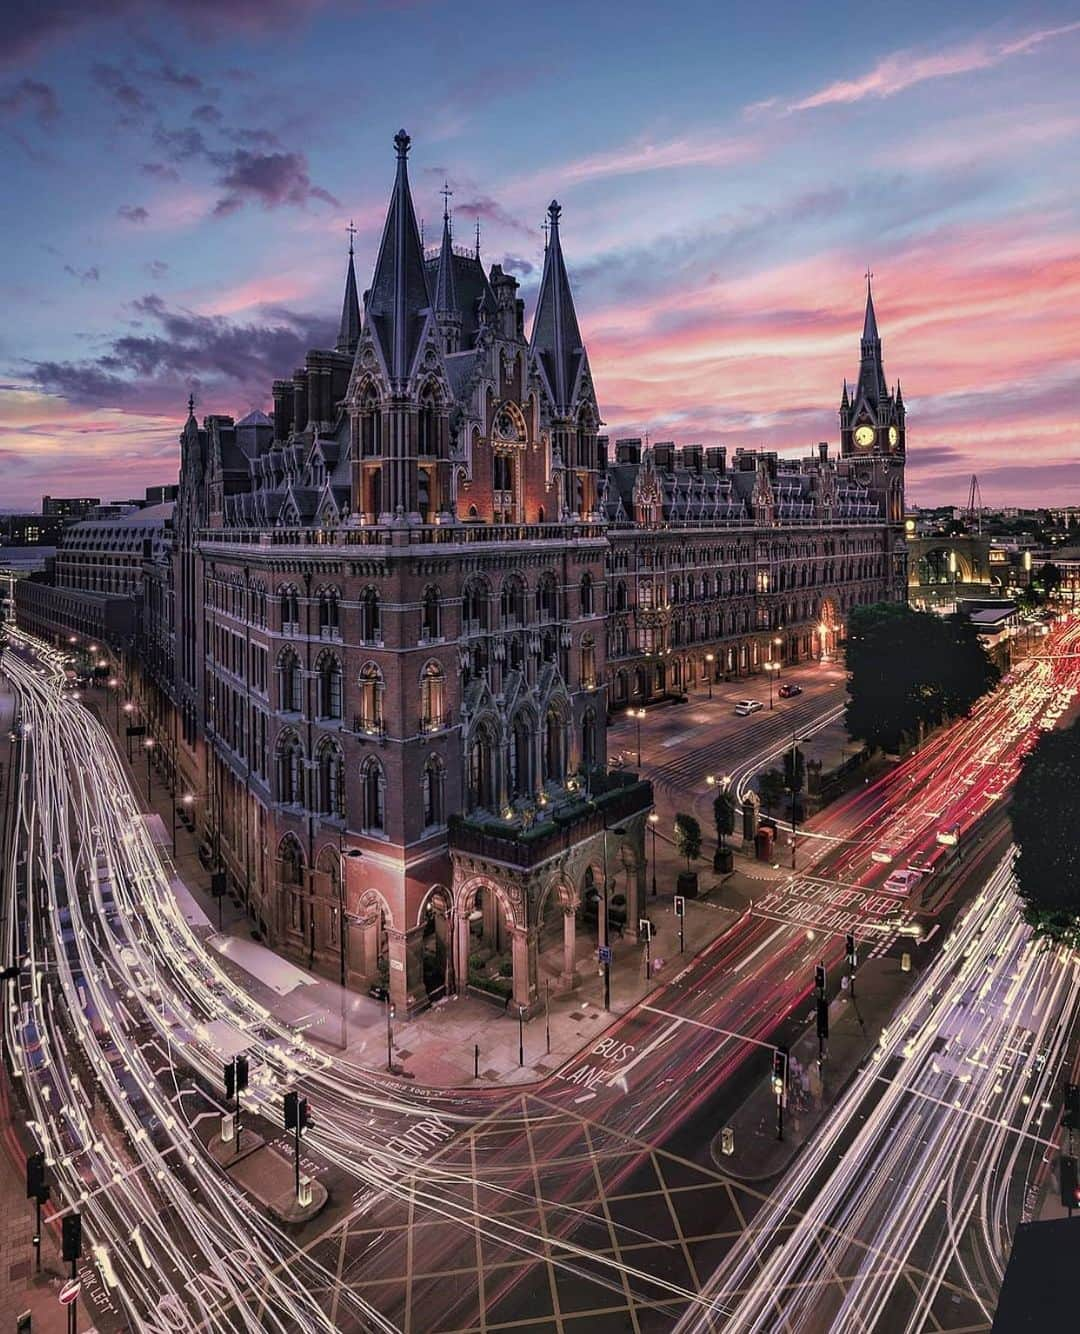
[
  {"x": 644, "y": 927},
  {"x": 605, "y": 954},
  {"x": 680, "y": 905},
  {"x": 69, "y": 1292}
]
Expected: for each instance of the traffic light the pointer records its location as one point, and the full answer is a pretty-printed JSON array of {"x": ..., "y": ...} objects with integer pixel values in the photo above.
[
  {"x": 1070, "y": 1186},
  {"x": 849, "y": 946},
  {"x": 71, "y": 1236},
  {"x": 217, "y": 884},
  {"x": 230, "y": 1079},
  {"x": 1071, "y": 1119},
  {"x": 36, "y": 1188},
  {"x": 241, "y": 1073},
  {"x": 779, "y": 1070},
  {"x": 820, "y": 979},
  {"x": 296, "y": 1112},
  {"x": 822, "y": 1018}
]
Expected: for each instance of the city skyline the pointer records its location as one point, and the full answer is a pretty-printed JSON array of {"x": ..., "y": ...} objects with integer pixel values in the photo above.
[{"x": 716, "y": 236}]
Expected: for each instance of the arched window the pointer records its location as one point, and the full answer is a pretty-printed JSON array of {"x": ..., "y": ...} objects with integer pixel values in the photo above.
[
  {"x": 554, "y": 760},
  {"x": 331, "y": 781},
  {"x": 373, "y": 796},
  {"x": 521, "y": 756},
  {"x": 291, "y": 859},
  {"x": 330, "y": 686},
  {"x": 588, "y": 662},
  {"x": 547, "y": 598},
  {"x": 428, "y": 424},
  {"x": 433, "y": 793},
  {"x": 370, "y": 617},
  {"x": 588, "y": 739},
  {"x": 475, "y": 602},
  {"x": 290, "y": 611},
  {"x": 370, "y": 426},
  {"x": 370, "y": 718},
  {"x": 290, "y": 770},
  {"x": 290, "y": 683},
  {"x": 329, "y": 616},
  {"x": 586, "y": 594},
  {"x": 513, "y": 602},
  {"x": 430, "y": 615},
  {"x": 432, "y": 698},
  {"x": 620, "y": 595},
  {"x": 481, "y": 767}
]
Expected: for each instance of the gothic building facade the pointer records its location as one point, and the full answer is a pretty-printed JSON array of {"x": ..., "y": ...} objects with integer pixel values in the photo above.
[{"x": 401, "y": 608}]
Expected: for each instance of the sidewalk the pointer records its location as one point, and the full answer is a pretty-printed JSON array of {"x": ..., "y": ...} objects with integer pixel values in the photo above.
[{"x": 854, "y": 1027}]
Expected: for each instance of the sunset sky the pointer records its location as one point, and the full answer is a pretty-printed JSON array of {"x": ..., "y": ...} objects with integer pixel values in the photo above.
[{"x": 179, "y": 177}]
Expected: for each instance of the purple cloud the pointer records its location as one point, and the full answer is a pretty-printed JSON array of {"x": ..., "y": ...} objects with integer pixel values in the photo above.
[
  {"x": 85, "y": 276},
  {"x": 33, "y": 97},
  {"x": 132, "y": 100},
  {"x": 157, "y": 268},
  {"x": 269, "y": 179},
  {"x": 159, "y": 171},
  {"x": 132, "y": 213}
]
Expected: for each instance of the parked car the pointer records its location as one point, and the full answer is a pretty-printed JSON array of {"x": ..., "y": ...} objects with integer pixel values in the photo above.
[
  {"x": 746, "y": 706},
  {"x": 789, "y": 690}
]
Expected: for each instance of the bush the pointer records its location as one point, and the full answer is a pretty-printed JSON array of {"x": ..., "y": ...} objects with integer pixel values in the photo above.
[
  {"x": 497, "y": 986},
  {"x": 476, "y": 962},
  {"x": 506, "y": 968}
]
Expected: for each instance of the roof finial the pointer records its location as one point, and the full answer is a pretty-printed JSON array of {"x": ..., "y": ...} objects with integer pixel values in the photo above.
[
  {"x": 544, "y": 228},
  {"x": 421, "y": 233},
  {"x": 191, "y": 405},
  {"x": 351, "y": 229},
  {"x": 869, "y": 275},
  {"x": 447, "y": 194},
  {"x": 478, "y": 239},
  {"x": 401, "y": 143},
  {"x": 554, "y": 213}
]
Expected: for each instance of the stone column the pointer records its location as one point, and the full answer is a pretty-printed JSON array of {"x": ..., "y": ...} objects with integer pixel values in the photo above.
[
  {"x": 461, "y": 952},
  {"x": 407, "y": 993},
  {"x": 568, "y": 976},
  {"x": 524, "y": 956},
  {"x": 364, "y": 948}
]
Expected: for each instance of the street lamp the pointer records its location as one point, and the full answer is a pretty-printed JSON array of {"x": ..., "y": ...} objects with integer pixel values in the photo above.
[
  {"x": 778, "y": 644},
  {"x": 148, "y": 746},
  {"x": 770, "y": 668},
  {"x": 710, "y": 658},
  {"x": 637, "y": 715},
  {"x": 654, "y": 820}
]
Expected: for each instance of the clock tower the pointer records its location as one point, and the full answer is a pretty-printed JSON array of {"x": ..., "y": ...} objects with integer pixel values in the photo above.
[{"x": 871, "y": 419}]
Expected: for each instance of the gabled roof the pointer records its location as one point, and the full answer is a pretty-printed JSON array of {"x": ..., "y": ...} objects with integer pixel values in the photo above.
[
  {"x": 556, "y": 339},
  {"x": 399, "y": 299}
]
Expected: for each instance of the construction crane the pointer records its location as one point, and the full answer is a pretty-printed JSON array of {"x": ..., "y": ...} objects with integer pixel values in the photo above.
[{"x": 973, "y": 514}]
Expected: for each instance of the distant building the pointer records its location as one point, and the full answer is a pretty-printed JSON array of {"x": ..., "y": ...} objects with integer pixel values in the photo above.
[
  {"x": 68, "y": 507},
  {"x": 31, "y": 530}
]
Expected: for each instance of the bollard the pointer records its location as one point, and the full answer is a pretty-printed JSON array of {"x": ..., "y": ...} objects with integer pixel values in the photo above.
[{"x": 476, "y": 1060}]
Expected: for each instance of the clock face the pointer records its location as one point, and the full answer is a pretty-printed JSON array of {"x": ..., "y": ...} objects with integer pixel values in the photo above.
[
  {"x": 894, "y": 436},
  {"x": 864, "y": 436}
]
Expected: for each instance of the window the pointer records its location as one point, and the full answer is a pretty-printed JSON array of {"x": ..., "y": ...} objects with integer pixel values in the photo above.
[
  {"x": 547, "y": 598},
  {"x": 475, "y": 606},
  {"x": 370, "y": 427},
  {"x": 430, "y": 616},
  {"x": 521, "y": 756},
  {"x": 373, "y": 795},
  {"x": 331, "y": 781},
  {"x": 330, "y": 682},
  {"x": 370, "y": 618},
  {"x": 329, "y": 616},
  {"x": 427, "y": 425},
  {"x": 432, "y": 698},
  {"x": 370, "y": 718},
  {"x": 290, "y": 683},
  {"x": 513, "y": 602},
  {"x": 291, "y": 770},
  {"x": 588, "y": 662},
  {"x": 588, "y": 739},
  {"x": 586, "y": 595},
  {"x": 481, "y": 767},
  {"x": 433, "y": 792},
  {"x": 290, "y": 611},
  {"x": 553, "y": 761}
]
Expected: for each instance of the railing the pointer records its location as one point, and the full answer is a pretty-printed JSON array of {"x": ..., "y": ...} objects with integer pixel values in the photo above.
[
  {"x": 368, "y": 726},
  {"x": 465, "y": 533},
  {"x": 435, "y": 722}
]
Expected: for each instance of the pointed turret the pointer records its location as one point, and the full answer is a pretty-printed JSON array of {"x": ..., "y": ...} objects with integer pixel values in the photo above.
[
  {"x": 444, "y": 296},
  {"x": 349, "y": 328},
  {"x": 399, "y": 294},
  {"x": 845, "y": 402},
  {"x": 556, "y": 339},
  {"x": 871, "y": 388},
  {"x": 869, "y": 333}
]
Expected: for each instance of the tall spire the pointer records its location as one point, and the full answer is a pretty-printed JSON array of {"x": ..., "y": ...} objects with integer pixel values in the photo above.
[
  {"x": 556, "y": 338},
  {"x": 871, "y": 385},
  {"x": 399, "y": 291},
  {"x": 445, "y": 295},
  {"x": 870, "y": 332},
  {"x": 349, "y": 328}
]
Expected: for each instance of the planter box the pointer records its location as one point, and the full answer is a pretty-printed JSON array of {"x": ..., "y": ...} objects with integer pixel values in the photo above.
[
  {"x": 688, "y": 884},
  {"x": 723, "y": 861}
]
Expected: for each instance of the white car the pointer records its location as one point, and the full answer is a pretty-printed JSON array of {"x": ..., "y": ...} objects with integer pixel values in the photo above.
[
  {"x": 746, "y": 706},
  {"x": 902, "y": 882}
]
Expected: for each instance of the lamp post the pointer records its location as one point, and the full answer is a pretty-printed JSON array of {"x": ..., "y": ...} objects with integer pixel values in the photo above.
[
  {"x": 129, "y": 709},
  {"x": 778, "y": 644},
  {"x": 710, "y": 658},
  {"x": 113, "y": 686},
  {"x": 605, "y": 943},
  {"x": 654, "y": 820},
  {"x": 148, "y": 746},
  {"x": 770, "y": 668},
  {"x": 637, "y": 715}
]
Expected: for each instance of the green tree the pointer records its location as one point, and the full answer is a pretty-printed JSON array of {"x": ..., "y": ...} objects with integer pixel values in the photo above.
[
  {"x": 1045, "y": 814},
  {"x": 687, "y": 838},
  {"x": 908, "y": 670},
  {"x": 724, "y": 814},
  {"x": 1048, "y": 578},
  {"x": 771, "y": 787}
]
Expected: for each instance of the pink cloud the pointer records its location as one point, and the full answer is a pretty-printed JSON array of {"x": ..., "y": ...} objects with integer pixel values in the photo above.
[{"x": 903, "y": 69}]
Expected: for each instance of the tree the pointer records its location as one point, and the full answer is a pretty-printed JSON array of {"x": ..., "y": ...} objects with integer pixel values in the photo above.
[
  {"x": 908, "y": 670},
  {"x": 771, "y": 787},
  {"x": 1048, "y": 578},
  {"x": 794, "y": 770},
  {"x": 724, "y": 813},
  {"x": 687, "y": 837},
  {"x": 1045, "y": 814}
]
